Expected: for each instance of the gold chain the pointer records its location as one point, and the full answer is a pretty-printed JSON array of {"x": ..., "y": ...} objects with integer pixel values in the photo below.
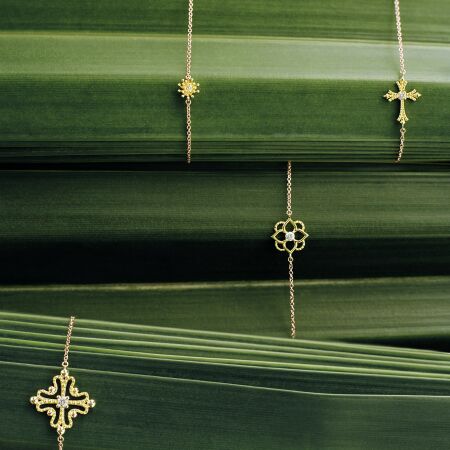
[
  {"x": 402, "y": 144},
  {"x": 292, "y": 295},
  {"x": 290, "y": 258},
  {"x": 398, "y": 22},
  {"x": 188, "y": 130},
  {"x": 188, "y": 77},
  {"x": 289, "y": 190},
  {"x": 60, "y": 441},
  {"x": 189, "y": 40},
  {"x": 400, "y": 38},
  {"x": 188, "y": 87},
  {"x": 65, "y": 363}
]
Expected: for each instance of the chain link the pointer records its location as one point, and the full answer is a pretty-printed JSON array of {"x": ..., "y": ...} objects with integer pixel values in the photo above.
[
  {"x": 188, "y": 129},
  {"x": 289, "y": 190},
  {"x": 290, "y": 258},
  {"x": 188, "y": 77},
  {"x": 402, "y": 144},
  {"x": 65, "y": 363},
  {"x": 60, "y": 442},
  {"x": 402, "y": 70},
  {"x": 400, "y": 38},
  {"x": 292, "y": 295},
  {"x": 189, "y": 40}
]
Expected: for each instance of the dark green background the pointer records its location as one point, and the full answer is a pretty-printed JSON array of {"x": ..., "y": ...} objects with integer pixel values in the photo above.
[{"x": 181, "y": 296}]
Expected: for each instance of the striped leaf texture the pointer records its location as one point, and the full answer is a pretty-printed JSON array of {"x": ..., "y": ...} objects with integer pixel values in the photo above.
[
  {"x": 91, "y": 81},
  {"x": 160, "y": 388},
  {"x": 181, "y": 298}
]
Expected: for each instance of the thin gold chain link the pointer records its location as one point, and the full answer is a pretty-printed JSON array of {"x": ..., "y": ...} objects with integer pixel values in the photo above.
[
  {"x": 402, "y": 70},
  {"x": 188, "y": 77},
  {"x": 60, "y": 442},
  {"x": 65, "y": 363},
  {"x": 290, "y": 258},
  {"x": 292, "y": 295},
  {"x": 399, "y": 37},
  {"x": 189, "y": 39},
  {"x": 402, "y": 144},
  {"x": 188, "y": 129},
  {"x": 289, "y": 190}
]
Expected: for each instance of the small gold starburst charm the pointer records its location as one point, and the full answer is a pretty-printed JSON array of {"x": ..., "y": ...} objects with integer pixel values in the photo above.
[
  {"x": 289, "y": 235},
  {"x": 62, "y": 401},
  {"x": 188, "y": 88},
  {"x": 402, "y": 95}
]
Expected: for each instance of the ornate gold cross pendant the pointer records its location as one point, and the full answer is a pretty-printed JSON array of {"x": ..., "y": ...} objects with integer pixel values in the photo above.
[
  {"x": 62, "y": 402},
  {"x": 402, "y": 95}
]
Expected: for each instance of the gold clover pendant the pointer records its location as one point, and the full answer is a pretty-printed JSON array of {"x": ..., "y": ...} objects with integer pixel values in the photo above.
[
  {"x": 289, "y": 235},
  {"x": 62, "y": 402}
]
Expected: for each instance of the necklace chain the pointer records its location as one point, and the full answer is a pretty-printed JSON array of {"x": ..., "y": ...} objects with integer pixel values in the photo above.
[
  {"x": 188, "y": 77},
  {"x": 289, "y": 189},
  {"x": 60, "y": 442},
  {"x": 398, "y": 22},
  {"x": 292, "y": 295},
  {"x": 189, "y": 40},
  {"x": 188, "y": 129},
  {"x": 400, "y": 38},
  {"x": 402, "y": 144},
  {"x": 290, "y": 258},
  {"x": 65, "y": 363}
]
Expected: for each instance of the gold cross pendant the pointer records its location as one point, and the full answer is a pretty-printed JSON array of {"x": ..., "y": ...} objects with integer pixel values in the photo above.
[
  {"x": 402, "y": 95},
  {"x": 62, "y": 401}
]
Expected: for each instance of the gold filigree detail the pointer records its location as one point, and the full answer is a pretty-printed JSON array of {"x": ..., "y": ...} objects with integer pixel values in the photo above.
[
  {"x": 289, "y": 235},
  {"x": 62, "y": 402},
  {"x": 188, "y": 88},
  {"x": 402, "y": 95}
]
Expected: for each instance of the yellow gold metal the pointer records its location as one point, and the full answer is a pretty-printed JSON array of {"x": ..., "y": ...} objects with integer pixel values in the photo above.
[
  {"x": 289, "y": 236},
  {"x": 188, "y": 87},
  {"x": 402, "y": 95},
  {"x": 62, "y": 401}
]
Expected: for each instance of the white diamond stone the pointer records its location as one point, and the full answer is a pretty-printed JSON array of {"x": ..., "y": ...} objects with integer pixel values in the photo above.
[
  {"x": 290, "y": 236},
  {"x": 402, "y": 95},
  {"x": 62, "y": 402}
]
